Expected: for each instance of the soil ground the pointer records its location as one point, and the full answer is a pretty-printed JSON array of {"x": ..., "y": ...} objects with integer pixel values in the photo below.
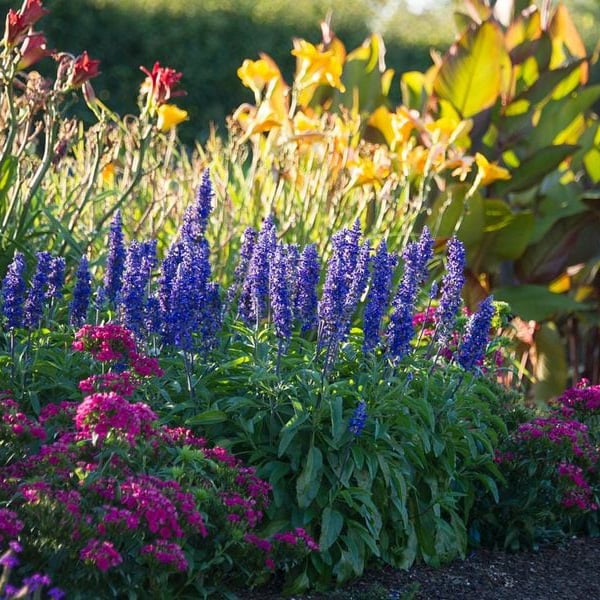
[{"x": 570, "y": 571}]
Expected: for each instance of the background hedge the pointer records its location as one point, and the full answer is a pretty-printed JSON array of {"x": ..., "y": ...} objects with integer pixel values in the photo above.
[{"x": 209, "y": 39}]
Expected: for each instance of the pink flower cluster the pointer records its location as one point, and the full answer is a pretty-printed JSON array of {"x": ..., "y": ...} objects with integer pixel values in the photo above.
[
  {"x": 582, "y": 400},
  {"x": 167, "y": 553},
  {"x": 580, "y": 493},
  {"x": 290, "y": 538},
  {"x": 119, "y": 383},
  {"x": 10, "y": 525},
  {"x": 104, "y": 413},
  {"x": 559, "y": 430},
  {"x": 101, "y": 553},
  {"x": 105, "y": 342},
  {"x": 17, "y": 423}
]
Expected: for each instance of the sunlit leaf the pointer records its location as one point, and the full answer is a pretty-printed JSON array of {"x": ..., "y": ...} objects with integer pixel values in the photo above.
[{"x": 473, "y": 72}]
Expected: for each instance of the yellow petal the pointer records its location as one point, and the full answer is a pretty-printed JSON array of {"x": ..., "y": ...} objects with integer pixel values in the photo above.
[
  {"x": 170, "y": 116},
  {"x": 490, "y": 172}
]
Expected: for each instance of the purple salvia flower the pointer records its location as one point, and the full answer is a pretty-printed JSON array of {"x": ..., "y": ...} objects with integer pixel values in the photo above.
[
  {"x": 335, "y": 290},
  {"x": 34, "y": 303},
  {"x": 338, "y": 295},
  {"x": 378, "y": 296},
  {"x": 358, "y": 282},
  {"x": 425, "y": 245},
  {"x": 152, "y": 315},
  {"x": 239, "y": 275},
  {"x": 139, "y": 262},
  {"x": 279, "y": 294},
  {"x": 292, "y": 259},
  {"x": 306, "y": 297},
  {"x": 195, "y": 218},
  {"x": 36, "y": 581},
  {"x": 115, "y": 262},
  {"x": 452, "y": 284},
  {"x": 13, "y": 292},
  {"x": 168, "y": 272},
  {"x": 358, "y": 419},
  {"x": 257, "y": 278},
  {"x": 82, "y": 293},
  {"x": 400, "y": 328},
  {"x": 475, "y": 339},
  {"x": 56, "y": 278},
  {"x": 181, "y": 320},
  {"x": 210, "y": 315}
]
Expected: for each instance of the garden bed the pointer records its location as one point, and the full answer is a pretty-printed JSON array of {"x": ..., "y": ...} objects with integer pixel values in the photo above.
[{"x": 568, "y": 570}]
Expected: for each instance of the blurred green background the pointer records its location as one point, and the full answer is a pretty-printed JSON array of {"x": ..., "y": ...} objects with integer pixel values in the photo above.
[{"x": 208, "y": 40}]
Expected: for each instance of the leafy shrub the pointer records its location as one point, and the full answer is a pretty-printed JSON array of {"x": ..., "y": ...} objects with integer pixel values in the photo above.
[
  {"x": 550, "y": 466},
  {"x": 138, "y": 506}
]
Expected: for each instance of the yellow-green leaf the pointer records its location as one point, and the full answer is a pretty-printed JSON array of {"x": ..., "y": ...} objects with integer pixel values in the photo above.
[{"x": 475, "y": 70}]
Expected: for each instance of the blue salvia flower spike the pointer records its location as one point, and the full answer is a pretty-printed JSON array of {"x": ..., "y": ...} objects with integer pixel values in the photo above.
[
  {"x": 34, "y": 303},
  {"x": 279, "y": 294},
  {"x": 56, "y": 278},
  {"x": 13, "y": 292},
  {"x": 115, "y": 262},
  {"x": 241, "y": 269},
  {"x": 82, "y": 293},
  {"x": 452, "y": 284},
  {"x": 475, "y": 338},
  {"x": 358, "y": 419},
  {"x": 378, "y": 296},
  {"x": 306, "y": 304}
]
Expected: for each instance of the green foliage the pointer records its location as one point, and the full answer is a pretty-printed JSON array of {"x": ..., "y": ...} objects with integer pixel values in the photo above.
[
  {"x": 549, "y": 463},
  {"x": 401, "y": 492}
]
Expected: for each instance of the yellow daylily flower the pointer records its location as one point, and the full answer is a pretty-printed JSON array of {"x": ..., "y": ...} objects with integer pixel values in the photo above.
[
  {"x": 490, "y": 172},
  {"x": 258, "y": 74},
  {"x": 170, "y": 116},
  {"x": 316, "y": 66}
]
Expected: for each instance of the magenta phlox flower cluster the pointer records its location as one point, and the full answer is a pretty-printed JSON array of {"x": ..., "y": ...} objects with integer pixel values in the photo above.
[
  {"x": 242, "y": 509},
  {"x": 101, "y": 553},
  {"x": 119, "y": 383},
  {"x": 558, "y": 430},
  {"x": 297, "y": 537},
  {"x": 13, "y": 420},
  {"x": 10, "y": 525},
  {"x": 584, "y": 399},
  {"x": 167, "y": 553},
  {"x": 580, "y": 493},
  {"x": 60, "y": 411},
  {"x": 145, "y": 366},
  {"x": 108, "y": 342},
  {"x": 104, "y": 413}
]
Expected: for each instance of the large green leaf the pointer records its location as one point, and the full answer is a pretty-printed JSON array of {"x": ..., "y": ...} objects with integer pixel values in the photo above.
[
  {"x": 557, "y": 115},
  {"x": 451, "y": 213},
  {"x": 536, "y": 302},
  {"x": 533, "y": 169},
  {"x": 332, "y": 523},
  {"x": 309, "y": 481},
  {"x": 569, "y": 241},
  {"x": 472, "y": 72},
  {"x": 551, "y": 369}
]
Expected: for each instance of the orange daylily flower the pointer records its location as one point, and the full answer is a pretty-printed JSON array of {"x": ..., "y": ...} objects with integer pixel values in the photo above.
[{"x": 490, "y": 172}]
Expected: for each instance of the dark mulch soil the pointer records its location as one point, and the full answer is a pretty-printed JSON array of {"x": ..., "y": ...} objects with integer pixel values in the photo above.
[{"x": 570, "y": 571}]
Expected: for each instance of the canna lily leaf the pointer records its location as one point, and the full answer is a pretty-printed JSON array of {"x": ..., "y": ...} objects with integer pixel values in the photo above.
[
  {"x": 475, "y": 70},
  {"x": 536, "y": 302},
  {"x": 532, "y": 170}
]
